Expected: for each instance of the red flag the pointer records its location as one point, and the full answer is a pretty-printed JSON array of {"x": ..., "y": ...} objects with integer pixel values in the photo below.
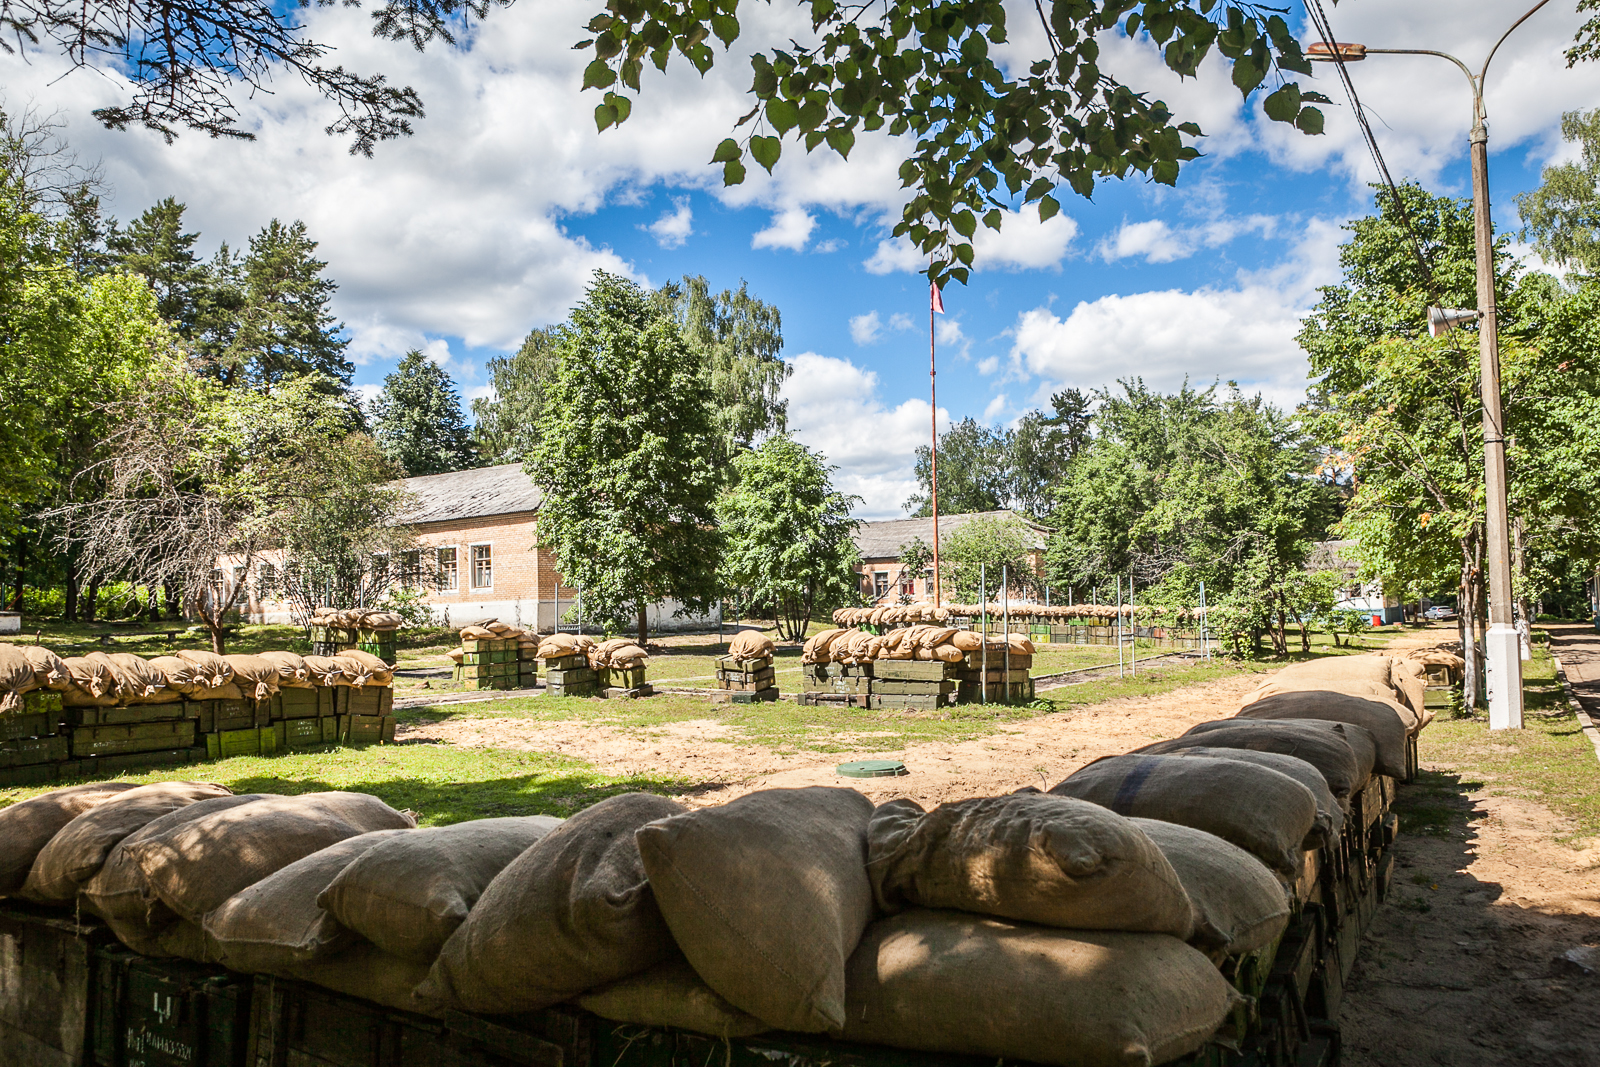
[{"x": 936, "y": 300}]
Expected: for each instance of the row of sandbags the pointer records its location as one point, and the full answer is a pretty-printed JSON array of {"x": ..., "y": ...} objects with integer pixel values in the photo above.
[
  {"x": 1061, "y": 612},
  {"x": 946, "y": 643},
  {"x": 358, "y": 619},
  {"x": 1041, "y": 927},
  {"x": 890, "y": 615},
  {"x": 104, "y": 679},
  {"x": 494, "y": 629},
  {"x": 619, "y": 652}
]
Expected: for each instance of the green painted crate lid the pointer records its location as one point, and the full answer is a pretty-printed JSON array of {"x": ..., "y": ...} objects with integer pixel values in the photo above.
[{"x": 873, "y": 768}]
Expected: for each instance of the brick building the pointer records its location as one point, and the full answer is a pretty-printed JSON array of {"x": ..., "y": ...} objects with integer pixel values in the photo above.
[{"x": 883, "y": 580}]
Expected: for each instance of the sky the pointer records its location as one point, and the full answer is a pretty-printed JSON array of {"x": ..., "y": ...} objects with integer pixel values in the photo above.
[{"x": 490, "y": 220}]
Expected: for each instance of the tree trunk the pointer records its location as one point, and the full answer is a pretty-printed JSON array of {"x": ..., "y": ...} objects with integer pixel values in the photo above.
[
  {"x": 174, "y": 598},
  {"x": 91, "y": 600},
  {"x": 644, "y": 627},
  {"x": 69, "y": 610},
  {"x": 153, "y": 602},
  {"x": 22, "y": 564},
  {"x": 1305, "y": 637},
  {"x": 218, "y": 637}
]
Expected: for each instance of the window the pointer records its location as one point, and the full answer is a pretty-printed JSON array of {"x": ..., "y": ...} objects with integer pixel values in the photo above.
[
  {"x": 927, "y": 582},
  {"x": 266, "y": 580},
  {"x": 449, "y": 580},
  {"x": 880, "y": 585},
  {"x": 482, "y": 567},
  {"x": 411, "y": 569}
]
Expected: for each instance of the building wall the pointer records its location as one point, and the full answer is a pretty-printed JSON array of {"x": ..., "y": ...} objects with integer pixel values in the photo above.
[{"x": 921, "y": 590}]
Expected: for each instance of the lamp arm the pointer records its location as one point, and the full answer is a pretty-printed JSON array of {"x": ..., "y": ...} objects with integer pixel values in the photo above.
[
  {"x": 1503, "y": 37},
  {"x": 1477, "y": 95}
]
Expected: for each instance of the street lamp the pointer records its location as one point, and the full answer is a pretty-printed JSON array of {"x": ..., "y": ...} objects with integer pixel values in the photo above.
[{"x": 1503, "y": 654}]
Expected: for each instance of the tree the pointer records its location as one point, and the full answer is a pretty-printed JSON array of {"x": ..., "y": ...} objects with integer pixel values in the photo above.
[
  {"x": 973, "y": 473},
  {"x": 506, "y": 418},
  {"x": 155, "y": 248},
  {"x": 990, "y": 548},
  {"x": 1561, "y": 218},
  {"x": 789, "y": 536},
  {"x": 417, "y": 419},
  {"x": 736, "y": 338},
  {"x": 624, "y": 456}
]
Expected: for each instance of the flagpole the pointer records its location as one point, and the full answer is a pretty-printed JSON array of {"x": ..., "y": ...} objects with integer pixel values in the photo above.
[{"x": 933, "y": 394}]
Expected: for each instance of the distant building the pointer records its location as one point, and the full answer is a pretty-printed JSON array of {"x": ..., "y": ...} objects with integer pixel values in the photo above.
[
  {"x": 880, "y": 544},
  {"x": 1366, "y": 597}
]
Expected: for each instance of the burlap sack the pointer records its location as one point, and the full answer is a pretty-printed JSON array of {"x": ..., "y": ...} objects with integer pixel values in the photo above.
[
  {"x": 815, "y": 650},
  {"x": 629, "y": 655},
  {"x": 556, "y": 646},
  {"x": 1380, "y": 718},
  {"x": 571, "y": 913},
  {"x": 90, "y": 676},
  {"x": 16, "y": 677},
  {"x": 967, "y": 640},
  {"x": 197, "y": 866},
  {"x": 181, "y": 676},
  {"x": 948, "y": 653},
  {"x": 767, "y": 896},
  {"x": 326, "y": 670},
  {"x": 255, "y": 676},
  {"x": 1019, "y": 644},
  {"x": 77, "y": 851},
  {"x": 946, "y": 981},
  {"x": 750, "y": 644},
  {"x": 49, "y": 672},
  {"x": 365, "y": 971},
  {"x": 1238, "y": 905},
  {"x": 671, "y": 994},
  {"x": 73, "y": 697},
  {"x": 277, "y": 923},
  {"x": 1029, "y": 856},
  {"x": 407, "y": 896},
  {"x": 222, "y": 692},
  {"x": 377, "y": 672},
  {"x": 27, "y": 826},
  {"x": 1368, "y": 669},
  {"x": 457, "y": 654},
  {"x": 1343, "y": 754},
  {"x": 477, "y": 633},
  {"x": 137, "y": 681},
  {"x": 1266, "y": 813},
  {"x": 1358, "y": 690},
  {"x": 220, "y": 673},
  {"x": 1330, "y": 812},
  {"x": 119, "y": 893},
  {"x": 292, "y": 670},
  {"x": 934, "y": 636},
  {"x": 1411, "y": 678}
]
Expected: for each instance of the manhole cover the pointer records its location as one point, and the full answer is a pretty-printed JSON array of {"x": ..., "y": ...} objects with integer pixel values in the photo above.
[{"x": 873, "y": 768}]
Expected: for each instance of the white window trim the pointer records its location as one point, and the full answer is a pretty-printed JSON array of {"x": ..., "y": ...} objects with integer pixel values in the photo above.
[
  {"x": 457, "y": 591},
  {"x": 472, "y": 570}
]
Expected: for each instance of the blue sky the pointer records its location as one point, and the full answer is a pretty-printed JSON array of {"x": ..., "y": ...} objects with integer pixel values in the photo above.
[{"x": 488, "y": 221}]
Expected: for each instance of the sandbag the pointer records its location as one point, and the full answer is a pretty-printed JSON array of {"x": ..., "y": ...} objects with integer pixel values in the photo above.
[
  {"x": 255, "y": 676},
  {"x": 1381, "y": 694},
  {"x": 1369, "y": 669},
  {"x": 119, "y": 892},
  {"x": 457, "y": 655},
  {"x": 73, "y": 697},
  {"x": 1342, "y": 753},
  {"x": 1330, "y": 812},
  {"x": 750, "y": 644},
  {"x": 27, "y": 826},
  {"x": 16, "y": 677},
  {"x": 366, "y": 971},
  {"x": 326, "y": 670},
  {"x": 137, "y": 681},
  {"x": 376, "y": 671},
  {"x": 182, "y": 677},
  {"x": 197, "y": 866},
  {"x": 277, "y": 923},
  {"x": 408, "y": 895},
  {"x": 91, "y": 676},
  {"x": 1411, "y": 678},
  {"x": 556, "y": 646},
  {"x": 571, "y": 913},
  {"x": 948, "y": 653},
  {"x": 292, "y": 670},
  {"x": 49, "y": 672},
  {"x": 629, "y": 655},
  {"x": 817, "y": 647},
  {"x": 477, "y": 633},
  {"x": 1019, "y": 645},
  {"x": 1238, "y": 905},
  {"x": 1380, "y": 718},
  {"x": 671, "y": 994},
  {"x": 767, "y": 896},
  {"x": 221, "y": 673},
  {"x": 77, "y": 851},
  {"x": 946, "y": 981},
  {"x": 1046, "y": 859},
  {"x": 1264, "y": 812},
  {"x": 967, "y": 640}
]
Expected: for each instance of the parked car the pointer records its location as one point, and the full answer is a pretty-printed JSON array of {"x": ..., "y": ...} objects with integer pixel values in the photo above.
[{"x": 1440, "y": 611}]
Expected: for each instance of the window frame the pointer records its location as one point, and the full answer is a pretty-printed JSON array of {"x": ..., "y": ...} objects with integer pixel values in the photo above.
[
  {"x": 454, "y": 570},
  {"x": 472, "y": 566}
]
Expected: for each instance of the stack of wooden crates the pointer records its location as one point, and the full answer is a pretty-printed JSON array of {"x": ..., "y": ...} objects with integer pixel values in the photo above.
[
  {"x": 1008, "y": 677},
  {"x": 745, "y": 681},
  {"x": 836, "y": 683},
  {"x": 380, "y": 643},
  {"x": 570, "y": 676},
  {"x": 295, "y": 719},
  {"x": 623, "y": 683},
  {"x": 331, "y": 640},
  {"x": 496, "y": 663}
]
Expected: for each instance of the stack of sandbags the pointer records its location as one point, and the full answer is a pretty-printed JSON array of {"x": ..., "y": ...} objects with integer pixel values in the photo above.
[
  {"x": 619, "y": 667},
  {"x": 889, "y": 615},
  {"x": 748, "y": 673},
  {"x": 566, "y": 665}
]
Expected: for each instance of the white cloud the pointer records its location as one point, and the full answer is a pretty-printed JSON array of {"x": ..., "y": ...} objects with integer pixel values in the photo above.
[
  {"x": 1022, "y": 243},
  {"x": 368, "y": 393},
  {"x": 437, "y": 351},
  {"x": 988, "y": 365},
  {"x": 865, "y": 329},
  {"x": 996, "y": 406},
  {"x": 674, "y": 227},
  {"x": 835, "y": 407},
  {"x": 895, "y": 254},
  {"x": 1158, "y": 242},
  {"x": 900, "y": 321},
  {"x": 791, "y": 228}
]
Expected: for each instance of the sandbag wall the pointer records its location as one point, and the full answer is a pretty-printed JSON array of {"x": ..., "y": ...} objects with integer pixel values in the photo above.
[
  {"x": 748, "y": 674},
  {"x": 370, "y": 631},
  {"x": 578, "y": 665},
  {"x": 103, "y": 714},
  {"x": 917, "y": 667},
  {"x": 494, "y": 655}
]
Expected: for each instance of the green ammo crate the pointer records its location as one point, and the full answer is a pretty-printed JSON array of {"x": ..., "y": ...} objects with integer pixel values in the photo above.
[
  {"x": 234, "y": 714},
  {"x": 576, "y": 661},
  {"x": 361, "y": 729},
  {"x": 253, "y": 742},
  {"x": 41, "y": 702},
  {"x": 303, "y": 703},
  {"x": 13, "y": 727},
  {"x": 142, "y": 737},
  {"x": 305, "y": 733},
  {"x": 368, "y": 700}
]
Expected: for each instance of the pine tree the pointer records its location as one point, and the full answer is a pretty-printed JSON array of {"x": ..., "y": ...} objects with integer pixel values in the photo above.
[
  {"x": 155, "y": 248},
  {"x": 282, "y": 327},
  {"x": 417, "y": 419}
]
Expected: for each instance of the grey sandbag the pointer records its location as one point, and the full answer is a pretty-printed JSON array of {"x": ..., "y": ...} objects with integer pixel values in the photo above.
[
  {"x": 1343, "y": 754},
  {"x": 77, "y": 851},
  {"x": 1330, "y": 813},
  {"x": 408, "y": 895},
  {"x": 1389, "y": 730},
  {"x": 195, "y": 867},
  {"x": 1239, "y": 905},
  {"x": 119, "y": 893},
  {"x": 948, "y": 981},
  {"x": 1264, "y": 812},
  {"x": 670, "y": 994},
  {"x": 28, "y": 825},
  {"x": 1039, "y": 858},
  {"x": 572, "y": 912},
  {"x": 767, "y": 896},
  {"x": 276, "y": 923}
]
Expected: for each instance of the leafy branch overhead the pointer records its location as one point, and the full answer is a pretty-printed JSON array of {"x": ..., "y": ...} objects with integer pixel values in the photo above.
[{"x": 985, "y": 135}]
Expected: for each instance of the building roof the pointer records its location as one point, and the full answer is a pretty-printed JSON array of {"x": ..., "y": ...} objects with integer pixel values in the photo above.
[
  {"x": 1333, "y": 556},
  {"x": 473, "y": 494},
  {"x": 882, "y": 540}
]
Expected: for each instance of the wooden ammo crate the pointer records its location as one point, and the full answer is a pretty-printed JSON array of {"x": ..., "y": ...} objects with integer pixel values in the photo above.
[
  {"x": 576, "y": 661},
  {"x": 892, "y": 687},
  {"x": 140, "y": 737},
  {"x": 974, "y": 661},
  {"x": 298, "y": 703},
  {"x": 257, "y": 741},
  {"x": 575, "y": 676},
  {"x": 913, "y": 670},
  {"x": 306, "y": 733},
  {"x": 42, "y": 702},
  {"x": 47, "y": 974},
  {"x": 620, "y": 677},
  {"x": 21, "y": 725},
  {"x": 744, "y": 696},
  {"x": 126, "y": 714},
  {"x": 365, "y": 729},
  {"x": 909, "y": 702},
  {"x": 368, "y": 700},
  {"x": 999, "y": 692},
  {"x": 235, "y": 715},
  {"x": 168, "y": 1013}
]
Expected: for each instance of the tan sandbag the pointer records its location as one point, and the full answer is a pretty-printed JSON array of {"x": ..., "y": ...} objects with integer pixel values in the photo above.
[
  {"x": 78, "y": 850},
  {"x": 16, "y": 677},
  {"x": 767, "y": 895},
  {"x": 197, "y": 866},
  {"x": 137, "y": 681},
  {"x": 934, "y": 636},
  {"x": 948, "y": 653},
  {"x": 292, "y": 670},
  {"x": 408, "y": 895},
  {"x": 1340, "y": 673},
  {"x": 377, "y": 671},
  {"x": 119, "y": 892},
  {"x": 1362, "y": 690},
  {"x": 1039, "y": 858},
  {"x": 73, "y": 697},
  {"x": 326, "y": 670},
  {"x": 366, "y": 971},
  {"x": 1330, "y": 812},
  {"x": 477, "y": 633},
  {"x": 1264, "y": 812},
  {"x": 49, "y": 672},
  {"x": 967, "y": 640},
  {"x": 257, "y": 677},
  {"x": 1238, "y": 905},
  {"x": 815, "y": 650},
  {"x": 750, "y": 644},
  {"x": 1380, "y": 718},
  {"x": 91, "y": 676},
  {"x": 457, "y": 655},
  {"x": 1343, "y": 754},
  {"x": 497, "y": 626},
  {"x": 216, "y": 666},
  {"x": 277, "y": 923},
  {"x": 1411, "y": 679},
  {"x": 1019, "y": 644},
  {"x": 946, "y": 981},
  {"x": 181, "y": 676},
  {"x": 27, "y": 826},
  {"x": 558, "y": 646},
  {"x": 382, "y": 620},
  {"x": 573, "y": 912},
  {"x": 671, "y": 994},
  {"x": 225, "y": 692}
]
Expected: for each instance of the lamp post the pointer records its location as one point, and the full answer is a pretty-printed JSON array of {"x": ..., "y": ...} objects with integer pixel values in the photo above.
[{"x": 1503, "y": 661}]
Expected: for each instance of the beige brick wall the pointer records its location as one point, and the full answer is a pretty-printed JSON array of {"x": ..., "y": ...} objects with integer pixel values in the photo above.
[{"x": 518, "y": 571}]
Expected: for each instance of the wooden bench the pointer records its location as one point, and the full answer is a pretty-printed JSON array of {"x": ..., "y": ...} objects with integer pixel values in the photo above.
[{"x": 105, "y": 638}]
